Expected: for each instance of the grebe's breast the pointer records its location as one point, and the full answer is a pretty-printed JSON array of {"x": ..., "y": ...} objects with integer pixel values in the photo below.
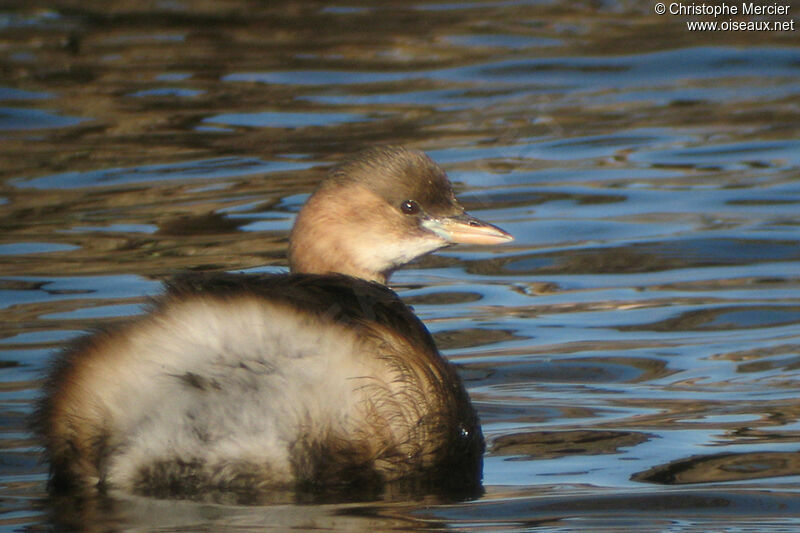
[{"x": 255, "y": 382}]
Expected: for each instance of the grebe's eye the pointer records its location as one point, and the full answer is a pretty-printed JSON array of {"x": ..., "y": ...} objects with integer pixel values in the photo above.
[{"x": 409, "y": 207}]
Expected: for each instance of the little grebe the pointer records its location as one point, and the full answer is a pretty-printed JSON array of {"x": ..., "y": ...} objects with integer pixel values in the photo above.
[{"x": 321, "y": 379}]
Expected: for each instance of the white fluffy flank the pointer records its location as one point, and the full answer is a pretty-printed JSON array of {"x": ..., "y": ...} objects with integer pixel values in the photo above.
[{"x": 213, "y": 382}]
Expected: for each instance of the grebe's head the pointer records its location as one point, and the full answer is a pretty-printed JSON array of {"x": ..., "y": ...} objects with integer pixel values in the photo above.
[{"x": 377, "y": 212}]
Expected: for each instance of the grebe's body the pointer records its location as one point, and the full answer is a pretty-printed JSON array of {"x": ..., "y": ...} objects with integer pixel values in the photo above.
[{"x": 317, "y": 380}]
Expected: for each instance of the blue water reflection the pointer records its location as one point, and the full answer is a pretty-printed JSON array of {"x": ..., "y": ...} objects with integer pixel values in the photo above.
[
  {"x": 225, "y": 167},
  {"x": 635, "y": 348}
]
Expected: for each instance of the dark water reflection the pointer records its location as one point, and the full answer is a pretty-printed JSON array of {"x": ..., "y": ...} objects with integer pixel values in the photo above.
[{"x": 634, "y": 354}]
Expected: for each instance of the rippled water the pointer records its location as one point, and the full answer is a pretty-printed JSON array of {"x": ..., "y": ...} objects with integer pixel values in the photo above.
[{"x": 634, "y": 354}]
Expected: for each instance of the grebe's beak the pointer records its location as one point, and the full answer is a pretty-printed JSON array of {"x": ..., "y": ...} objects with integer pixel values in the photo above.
[{"x": 466, "y": 229}]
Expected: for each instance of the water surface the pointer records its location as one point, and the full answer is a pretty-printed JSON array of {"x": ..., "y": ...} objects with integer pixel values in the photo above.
[{"x": 634, "y": 354}]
